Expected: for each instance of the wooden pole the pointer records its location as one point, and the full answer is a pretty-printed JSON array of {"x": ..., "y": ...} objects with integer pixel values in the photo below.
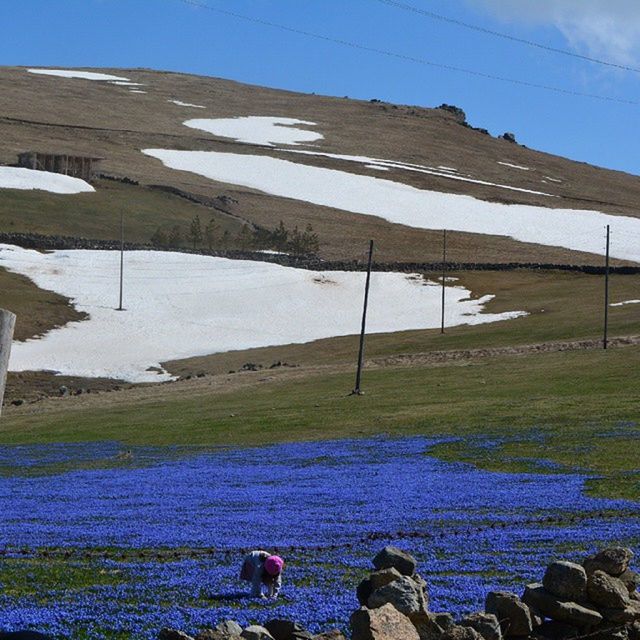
[
  {"x": 120, "y": 308},
  {"x": 444, "y": 270},
  {"x": 605, "y": 339},
  {"x": 7, "y": 324},
  {"x": 357, "y": 391}
]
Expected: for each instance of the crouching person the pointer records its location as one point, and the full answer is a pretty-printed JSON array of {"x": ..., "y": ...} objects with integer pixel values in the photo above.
[{"x": 264, "y": 572}]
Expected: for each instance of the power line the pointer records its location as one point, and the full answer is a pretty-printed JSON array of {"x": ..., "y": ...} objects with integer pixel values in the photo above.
[
  {"x": 402, "y": 56},
  {"x": 506, "y": 36}
]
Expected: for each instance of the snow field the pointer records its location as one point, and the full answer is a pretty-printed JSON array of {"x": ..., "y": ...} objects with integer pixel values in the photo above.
[
  {"x": 579, "y": 230},
  {"x": 30, "y": 179},
  {"x": 85, "y": 75},
  {"x": 180, "y": 305},
  {"x": 257, "y": 129}
]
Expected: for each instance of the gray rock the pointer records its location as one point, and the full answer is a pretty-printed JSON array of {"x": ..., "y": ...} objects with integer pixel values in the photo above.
[
  {"x": 486, "y": 624},
  {"x": 461, "y": 633},
  {"x": 514, "y": 615},
  {"x": 334, "y": 634},
  {"x": 610, "y": 633},
  {"x": 426, "y": 626},
  {"x": 287, "y": 630},
  {"x": 538, "y": 598},
  {"x": 553, "y": 630},
  {"x": 630, "y": 579},
  {"x": 229, "y": 627},
  {"x": 443, "y": 620},
  {"x": 383, "y": 577},
  {"x": 172, "y": 634},
  {"x": 256, "y": 632},
  {"x": 606, "y": 591},
  {"x": 628, "y": 615},
  {"x": 385, "y": 623},
  {"x": 613, "y": 560},
  {"x": 404, "y": 594},
  {"x": 212, "y": 634},
  {"x": 393, "y": 557},
  {"x": 566, "y": 580}
]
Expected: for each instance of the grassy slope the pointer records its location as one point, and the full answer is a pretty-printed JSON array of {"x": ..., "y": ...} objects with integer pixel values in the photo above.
[{"x": 569, "y": 398}]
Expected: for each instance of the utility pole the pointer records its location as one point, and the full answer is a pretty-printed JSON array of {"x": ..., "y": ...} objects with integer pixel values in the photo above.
[
  {"x": 606, "y": 293},
  {"x": 357, "y": 391},
  {"x": 444, "y": 270},
  {"x": 120, "y": 308}
]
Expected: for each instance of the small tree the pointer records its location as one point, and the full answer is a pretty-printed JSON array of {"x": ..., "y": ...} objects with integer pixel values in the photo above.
[
  {"x": 159, "y": 238},
  {"x": 280, "y": 237},
  {"x": 310, "y": 240},
  {"x": 244, "y": 237},
  {"x": 195, "y": 232},
  {"x": 175, "y": 236},
  {"x": 211, "y": 233}
]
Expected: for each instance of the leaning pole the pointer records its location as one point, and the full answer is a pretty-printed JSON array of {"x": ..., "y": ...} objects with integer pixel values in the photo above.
[{"x": 7, "y": 324}]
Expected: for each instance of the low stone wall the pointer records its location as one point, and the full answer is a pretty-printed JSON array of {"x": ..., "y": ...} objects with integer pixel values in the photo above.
[{"x": 48, "y": 243}]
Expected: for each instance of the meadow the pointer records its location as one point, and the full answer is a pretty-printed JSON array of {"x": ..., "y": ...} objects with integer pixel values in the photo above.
[{"x": 157, "y": 539}]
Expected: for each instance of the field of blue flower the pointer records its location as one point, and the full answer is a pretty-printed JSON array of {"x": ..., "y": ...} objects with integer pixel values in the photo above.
[{"x": 97, "y": 546}]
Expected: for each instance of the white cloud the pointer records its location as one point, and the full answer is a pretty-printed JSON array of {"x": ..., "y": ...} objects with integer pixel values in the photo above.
[{"x": 600, "y": 28}]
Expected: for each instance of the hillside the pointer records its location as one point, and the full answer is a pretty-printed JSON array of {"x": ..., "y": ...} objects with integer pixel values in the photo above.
[
  {"x": 428, "y": 149},
  {"x": 241, "y": 159}
]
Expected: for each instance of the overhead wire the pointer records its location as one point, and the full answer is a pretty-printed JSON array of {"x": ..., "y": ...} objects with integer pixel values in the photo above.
[
  {"x": 408, "y": 58},
  {"x": 531, "y": 43}
]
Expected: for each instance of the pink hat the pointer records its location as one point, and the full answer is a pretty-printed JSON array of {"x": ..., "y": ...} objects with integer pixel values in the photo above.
[{"x": 273, "y": 565}]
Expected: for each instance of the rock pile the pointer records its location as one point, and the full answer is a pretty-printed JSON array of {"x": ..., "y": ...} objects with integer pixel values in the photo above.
[{"x": 597, "y": 600}]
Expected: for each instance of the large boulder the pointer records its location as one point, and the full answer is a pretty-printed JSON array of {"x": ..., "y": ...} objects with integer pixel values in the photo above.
[
  {"x": 256, "y": 632},
  {"x": 630, "y": 579},
  {"x": 514, "y": 615},
  {"x": 461, "y": 633},
  {"x": 443, "y": 620},
  {"x": 613, "y": 560},
  {"x": 486, "y": 624},
  {"x": 393, "y": 557},
  {"x": 173, "y": 634},
  {"x": 426, "y": 625},
  {"x": 538, "y": 598},
  {"x": 566, "y": 580},
  {"x": 287, "y": 630},
  {"x": 229, "y": 628},
  {"x": 404, "y": 594},
  {"x": 363, "y": 591},
  {"x": 553, "y": 630},
  {"x": 334, "y": 634},
  {"x": 628, "y": 615},
  {"x": 384, "y": 577},
  {"x": 606, "y": 591},
  {"x": 385, "y": 623}
]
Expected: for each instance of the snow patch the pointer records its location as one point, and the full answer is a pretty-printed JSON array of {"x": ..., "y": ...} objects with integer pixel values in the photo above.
[
  {"x": 515, "y": 166},
  {"x": 620, "y": 304},
  {"x": 186, "y": 104},
  {"x": 579, "y": 230},
  {"x": 70, "y": 73},
  {"x": 29, "y": 179},
  {"x": 180, "y": 305},
  {"x": 258, "y": 129},
  {"x": 127, "y": 84}
]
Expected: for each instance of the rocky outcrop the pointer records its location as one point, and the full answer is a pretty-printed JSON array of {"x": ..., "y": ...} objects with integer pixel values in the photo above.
[{"x": 385, "y": 623}]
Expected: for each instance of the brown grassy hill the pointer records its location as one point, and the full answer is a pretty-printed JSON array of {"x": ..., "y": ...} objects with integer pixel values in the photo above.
[{"x": 84, "y": 117}]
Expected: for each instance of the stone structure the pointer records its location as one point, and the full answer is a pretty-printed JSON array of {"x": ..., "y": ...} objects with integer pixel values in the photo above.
[{"x": 84, "y": 167}]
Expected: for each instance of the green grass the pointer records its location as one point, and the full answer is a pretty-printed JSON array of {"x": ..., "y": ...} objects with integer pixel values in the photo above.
[{"x": 580, "y": 406}]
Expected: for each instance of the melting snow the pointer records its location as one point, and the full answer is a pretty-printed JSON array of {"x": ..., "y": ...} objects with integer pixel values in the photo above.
[
  {"x": 620, "y": 304},
  {"x": 186, "y": 104},
  {"x": 258, "y": 129},
  {"x": 514, "y": 166},
  {"x": 418, "y": 168},
  {"x": 20, "y": 178},
  {"x": 180, "y": 305},
  {"x": 69, "y": 73},
  {"x": 579, "y": 230}
]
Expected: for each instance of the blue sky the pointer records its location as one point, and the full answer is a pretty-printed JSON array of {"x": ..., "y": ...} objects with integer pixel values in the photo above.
[{"x": 172, "y": 35}]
